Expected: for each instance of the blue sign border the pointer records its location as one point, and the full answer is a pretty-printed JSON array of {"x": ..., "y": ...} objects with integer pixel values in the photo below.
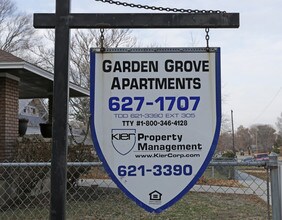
[{"x": 214, "y": 142}]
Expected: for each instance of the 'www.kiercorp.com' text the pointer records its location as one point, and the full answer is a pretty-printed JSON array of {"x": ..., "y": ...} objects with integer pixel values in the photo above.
[{"x": 166, "y": 155}]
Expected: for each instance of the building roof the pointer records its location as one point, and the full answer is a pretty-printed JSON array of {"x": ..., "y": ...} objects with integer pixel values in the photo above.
[
  {"x": 8, "y": 57},
  {"x": 34, "y": 82}
]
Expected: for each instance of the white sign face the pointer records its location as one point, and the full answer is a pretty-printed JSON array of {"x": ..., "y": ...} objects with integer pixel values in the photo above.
[{"x": 155, "y": 119}]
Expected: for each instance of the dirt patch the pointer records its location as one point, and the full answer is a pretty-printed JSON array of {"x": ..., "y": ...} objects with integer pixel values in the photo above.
[
  {"x": 96, "y": 173},
  {"x": 218, "y": 182},
  {"x": 261, "y": 174}
]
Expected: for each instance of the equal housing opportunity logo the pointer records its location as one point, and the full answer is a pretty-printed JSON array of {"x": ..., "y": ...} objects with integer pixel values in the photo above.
[{"x": 123, "y": 140}]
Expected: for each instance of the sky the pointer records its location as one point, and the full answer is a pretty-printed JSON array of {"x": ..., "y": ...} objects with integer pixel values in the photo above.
[{"x": 251, "y": 56}]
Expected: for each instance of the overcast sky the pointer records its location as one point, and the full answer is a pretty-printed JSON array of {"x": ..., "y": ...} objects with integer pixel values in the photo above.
[{"x": 251, "y": 56}]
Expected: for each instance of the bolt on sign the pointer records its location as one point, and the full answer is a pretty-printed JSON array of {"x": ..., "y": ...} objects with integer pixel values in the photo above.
[{"x": 155, "y": 119}]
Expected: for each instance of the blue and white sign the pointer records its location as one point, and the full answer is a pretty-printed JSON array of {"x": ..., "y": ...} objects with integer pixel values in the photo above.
[{"x": 155, "y": 119}]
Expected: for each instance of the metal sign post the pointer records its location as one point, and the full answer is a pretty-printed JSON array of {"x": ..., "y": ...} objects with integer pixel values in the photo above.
[{"x": 62, "y": 21}]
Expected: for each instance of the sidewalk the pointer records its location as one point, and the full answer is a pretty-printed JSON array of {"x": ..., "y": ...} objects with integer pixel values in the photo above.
[{"x": 258, "y": 186}]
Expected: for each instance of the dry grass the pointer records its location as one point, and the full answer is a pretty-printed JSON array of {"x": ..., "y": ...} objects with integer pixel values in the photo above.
[
  {"x": 107, "y": 204},
  {"x": 193, "y": 206},
  {"x": 99, "y": 173}
]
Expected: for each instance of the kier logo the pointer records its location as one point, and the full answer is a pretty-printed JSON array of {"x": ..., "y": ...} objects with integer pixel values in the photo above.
[{"x": 123, "y": 140}]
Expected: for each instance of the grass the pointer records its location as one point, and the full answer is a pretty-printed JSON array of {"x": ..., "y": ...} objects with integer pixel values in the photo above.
[
  {"x": 108, "y": 204},
  {"x": 113, "y": 204},
  {"x": 192, "y": 206},
  {"x": 259, "y": 172}
]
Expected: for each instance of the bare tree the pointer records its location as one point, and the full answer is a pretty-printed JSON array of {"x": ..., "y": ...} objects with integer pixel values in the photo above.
[
  {"x": 225, "y": 124},
  {"x": 17, "y": 33},
  {"x": 81, "y": 42},
  {"x": 224, "y": 142},
  {"x": 279, "y": 124},
  {"x": 225, "y": 137},
  {"x": 243, "y": 138},
  {"x": 263, "y": 136}
]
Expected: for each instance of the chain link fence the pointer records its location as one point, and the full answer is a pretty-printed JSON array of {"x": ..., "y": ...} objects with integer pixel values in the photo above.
[{"x": 227, "y": 190}]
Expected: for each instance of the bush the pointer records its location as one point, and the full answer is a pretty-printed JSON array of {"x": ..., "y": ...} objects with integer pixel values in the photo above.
[
  {"x": 37, "y": 149},
  {"x": 229, "y": 154},
  {"x": 276, "y": 150},
  {"x": 229, "y": 172}
]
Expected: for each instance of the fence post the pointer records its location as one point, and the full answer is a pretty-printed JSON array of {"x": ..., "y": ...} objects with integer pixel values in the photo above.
[{"x": 275, "y": 190}]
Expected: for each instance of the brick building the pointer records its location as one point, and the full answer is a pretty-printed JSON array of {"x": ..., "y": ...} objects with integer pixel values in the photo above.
[{"x": 21, "y": 80}]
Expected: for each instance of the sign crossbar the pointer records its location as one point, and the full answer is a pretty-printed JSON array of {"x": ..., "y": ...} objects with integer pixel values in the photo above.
[{"x": 141, "y": 20}]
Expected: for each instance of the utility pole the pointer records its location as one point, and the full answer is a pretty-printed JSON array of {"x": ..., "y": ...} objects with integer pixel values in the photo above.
[
  {"x": 63, "y": 20},
  {"x": 233, "y": 137}
]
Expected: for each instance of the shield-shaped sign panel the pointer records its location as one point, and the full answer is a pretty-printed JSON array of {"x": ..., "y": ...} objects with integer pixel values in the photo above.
[{"x": 155, "y": 119}]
